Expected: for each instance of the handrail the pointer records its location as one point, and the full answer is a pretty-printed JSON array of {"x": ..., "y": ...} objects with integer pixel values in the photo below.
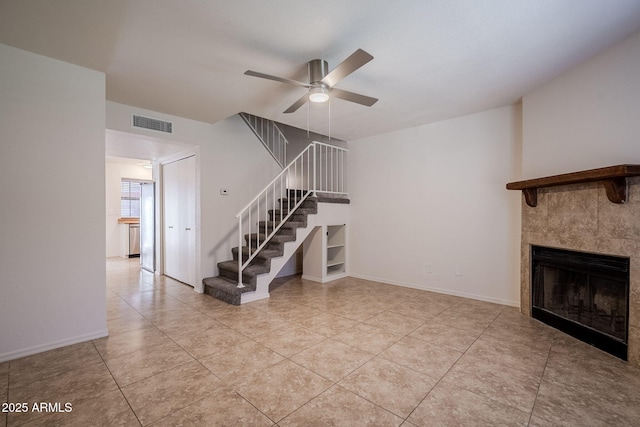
[
  {"x": 318, "y": 168},
  {"x": 268, "y": 132}
]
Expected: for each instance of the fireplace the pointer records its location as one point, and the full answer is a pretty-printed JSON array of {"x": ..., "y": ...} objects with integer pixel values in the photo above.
[
  {"x": 584, "y": 295},
  {"x": 594, "y": 212}
]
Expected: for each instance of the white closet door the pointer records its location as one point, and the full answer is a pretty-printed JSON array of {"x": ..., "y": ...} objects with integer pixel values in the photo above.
[
  {"x": 179, "y": 219},
  {"x": 188, "y": 221},
  {"x": 171, "y": 181}
]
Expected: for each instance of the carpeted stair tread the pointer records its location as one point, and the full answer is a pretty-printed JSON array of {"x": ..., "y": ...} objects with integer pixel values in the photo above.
[
  {"x": 225, "y": 290},
  {"x": 251, "y": 270},
  {"x": 299, "y": 211},
  {"x": 287, "y": 231},
  {"x": 277, "y": 238},
  {"x": 327, "y": 199},
  {"x": 287, "y": 225},
  {"x": 263, "y": 254},
  {"x": 289, "y": 203}
]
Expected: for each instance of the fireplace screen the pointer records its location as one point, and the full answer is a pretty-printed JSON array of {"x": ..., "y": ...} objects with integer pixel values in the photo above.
[{"x": 585, "y": 295}]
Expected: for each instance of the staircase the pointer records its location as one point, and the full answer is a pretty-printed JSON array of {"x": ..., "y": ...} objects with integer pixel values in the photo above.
[
  {"x": 225, "y": 286},
  {"x": 278, "y": 220}
]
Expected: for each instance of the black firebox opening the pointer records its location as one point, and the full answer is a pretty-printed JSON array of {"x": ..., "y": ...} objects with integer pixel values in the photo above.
[{"x": 584, "y": 295}]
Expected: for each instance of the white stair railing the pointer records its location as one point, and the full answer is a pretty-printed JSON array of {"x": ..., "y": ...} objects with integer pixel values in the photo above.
[
  {"x": 270, "y": 135},
  {"x": 320, "y": 168}
]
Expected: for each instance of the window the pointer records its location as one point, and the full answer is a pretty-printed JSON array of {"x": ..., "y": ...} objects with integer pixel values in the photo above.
[{"x": 130, "y": 198}]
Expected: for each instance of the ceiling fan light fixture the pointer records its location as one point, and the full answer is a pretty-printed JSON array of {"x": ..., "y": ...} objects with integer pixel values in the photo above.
[{"x": 318, "y": 94}]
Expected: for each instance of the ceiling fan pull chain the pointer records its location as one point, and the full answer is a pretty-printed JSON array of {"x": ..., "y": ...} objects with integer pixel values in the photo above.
[
  {"x": 308, "y": 103},
  {"x": 308, "y": 119}
]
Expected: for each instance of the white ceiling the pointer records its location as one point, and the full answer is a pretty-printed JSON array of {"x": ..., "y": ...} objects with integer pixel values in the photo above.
[{"x": 434, "y": 59}]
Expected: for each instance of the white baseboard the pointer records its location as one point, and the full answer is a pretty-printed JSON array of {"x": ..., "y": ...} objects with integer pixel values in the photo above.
[
  {"x": 327, "y": 279},
  {"x": 440, "y": 291},
  {"x": 52, "y": 345},
  {"x": 253, "y": 296}
]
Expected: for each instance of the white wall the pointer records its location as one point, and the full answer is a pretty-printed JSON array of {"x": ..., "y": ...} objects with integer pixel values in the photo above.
[
  {"x": 228, "y": 156},
  {"x": 587, "y": 118},
  {"x": 52, "y": 187},
  {"x": 434, "y": 198},
  {"x": 114, "y": 172}
]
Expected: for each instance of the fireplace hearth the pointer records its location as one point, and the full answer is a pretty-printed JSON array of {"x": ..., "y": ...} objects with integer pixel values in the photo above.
[{"x": 584, "y": 295}]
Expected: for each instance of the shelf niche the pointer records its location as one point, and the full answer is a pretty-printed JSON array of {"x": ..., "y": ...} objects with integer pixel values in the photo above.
[
  {"x": 614, "y": 179},
  {"x": 324, "y": 254}
]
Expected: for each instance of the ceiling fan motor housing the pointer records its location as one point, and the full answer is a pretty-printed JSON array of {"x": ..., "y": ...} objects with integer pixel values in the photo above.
[{"x": 318, "y": 68}]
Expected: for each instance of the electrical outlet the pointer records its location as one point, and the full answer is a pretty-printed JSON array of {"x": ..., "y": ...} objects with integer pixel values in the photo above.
[
  {"x": 429, "y": 269},
  {"x": 224, "y": 191},
  {"x": 458, "y": 270}
]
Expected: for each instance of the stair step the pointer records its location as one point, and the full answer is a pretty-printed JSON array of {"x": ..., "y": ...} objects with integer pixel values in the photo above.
[
  {"x": 229, "y": 270},
  {"x": 264, "y": 255},
  {"x": 225, "y": 290},
  {"x": 333, "y": 199},
  {"x": 309, "y": 202},
  {"x": 300, "y": 217},
  {"x": 300, "y": 211},
  {"x": 286, "y": 225},
  {"x": 277, "y": 238},
  {"x": 282, "y": 231}
]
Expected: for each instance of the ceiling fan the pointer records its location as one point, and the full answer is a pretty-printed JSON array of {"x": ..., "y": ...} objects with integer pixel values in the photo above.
[{"x": 321, "y": 81}]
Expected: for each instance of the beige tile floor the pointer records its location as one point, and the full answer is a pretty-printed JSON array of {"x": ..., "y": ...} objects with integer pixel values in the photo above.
[{"x": 351, "y": 352}]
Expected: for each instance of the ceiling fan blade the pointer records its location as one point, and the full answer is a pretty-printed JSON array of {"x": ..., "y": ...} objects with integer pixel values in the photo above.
[
  {"x": 277, "y": 79},
  {"x": 299, "y": 103},
  {"x": 353, "y": 97},
  {"x": 346, "y": 67}
]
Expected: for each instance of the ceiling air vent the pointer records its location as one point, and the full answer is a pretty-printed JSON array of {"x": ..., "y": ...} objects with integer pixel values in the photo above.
[{"x": 153, "y": 124}]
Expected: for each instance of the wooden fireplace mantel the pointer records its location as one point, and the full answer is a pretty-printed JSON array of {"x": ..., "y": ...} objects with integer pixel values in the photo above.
[{"x": 614, "y": 179}]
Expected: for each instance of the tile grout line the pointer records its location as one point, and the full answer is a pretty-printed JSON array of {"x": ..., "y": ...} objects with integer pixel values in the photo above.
[
  {"x": 116, "y": 383},
  {"x": 540, "y": 384},
  {"x": 405, "y": 419},
  {"x": 451, "y": 367}
]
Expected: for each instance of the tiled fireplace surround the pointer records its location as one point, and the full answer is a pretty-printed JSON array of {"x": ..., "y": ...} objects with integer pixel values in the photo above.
[{"x": 580, "y": 217}]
